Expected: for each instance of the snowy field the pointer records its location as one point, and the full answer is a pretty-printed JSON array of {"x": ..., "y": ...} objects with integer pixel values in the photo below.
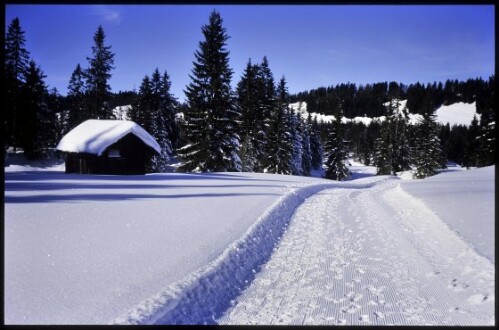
[{"x": 245, "y": 248}]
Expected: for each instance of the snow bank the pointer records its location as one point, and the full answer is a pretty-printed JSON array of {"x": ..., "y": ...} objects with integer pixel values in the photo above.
[
  {"x": 95, "y": 136},
  {"x": 464, "y": 200},
  {"x": 204, "y": 295}
]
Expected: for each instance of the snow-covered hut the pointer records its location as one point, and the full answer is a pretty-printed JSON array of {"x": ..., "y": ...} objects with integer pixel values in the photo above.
[{"x": 108, "y": 147}]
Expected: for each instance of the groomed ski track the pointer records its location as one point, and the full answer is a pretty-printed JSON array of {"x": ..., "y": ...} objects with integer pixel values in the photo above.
[{"x": 360, "y": 252}]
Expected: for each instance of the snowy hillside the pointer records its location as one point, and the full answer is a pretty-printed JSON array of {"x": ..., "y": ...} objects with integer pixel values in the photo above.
[
  {"x": 454, "y": 114},
  {"x": 192, "y": 248}
]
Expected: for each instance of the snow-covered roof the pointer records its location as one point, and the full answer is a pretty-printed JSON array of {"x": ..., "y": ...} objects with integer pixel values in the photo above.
[{"x": 95, "y": 136}]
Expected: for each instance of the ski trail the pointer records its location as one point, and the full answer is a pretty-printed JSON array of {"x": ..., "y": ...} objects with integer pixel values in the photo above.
[{"x": 372, "y": 256}]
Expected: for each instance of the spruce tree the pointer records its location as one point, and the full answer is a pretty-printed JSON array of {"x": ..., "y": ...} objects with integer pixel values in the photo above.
[
  {"x": 306, "y": 161},
  {"x": 38, "y": 120},
  {"x": 392, "y": 150},
  {"x": 16, "y": 67},
  {"x": 427, "y": 152},
  {"x": 487, "y": 138},
  {"x": 280, "y": 142},
  {"x": 98, "y": 75},
  {"x": 141, "y": 110},
  {"x": 384, "y": 145},
  {"x": 268, "y": 97},
  {"x": 316, "y": 148},
  {"x": 296, "y": 131},
  {"x": 212, "y": 119},
  {"x": 472, "y": 147},
  {"x": 336, "y": 151},
  {"x": 162, "y": 119},
  {"x": 401, "y": 157},
  {"x": 248, "y": 105},
  {"x": 76, "y": 99}
]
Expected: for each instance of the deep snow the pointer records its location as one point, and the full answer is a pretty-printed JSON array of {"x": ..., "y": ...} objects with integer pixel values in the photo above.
[
  {"x": 368, "y": 256},
  {"x": 156, "y": 248}
]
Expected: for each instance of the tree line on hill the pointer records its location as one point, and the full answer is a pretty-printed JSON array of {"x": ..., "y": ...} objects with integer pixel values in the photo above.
[
  {"x": 251, "y": 128},
  {"x": 368, "y": 100}
]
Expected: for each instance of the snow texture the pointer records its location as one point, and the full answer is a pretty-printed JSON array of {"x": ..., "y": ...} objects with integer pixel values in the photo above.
[
  {"x": 95, "y": 136},
  {"x": 244, "y": 248},
  {"x": 370, "y": 256}
]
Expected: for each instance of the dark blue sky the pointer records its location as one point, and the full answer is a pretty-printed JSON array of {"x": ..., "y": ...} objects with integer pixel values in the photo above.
[{"x": 312, "y": 46}]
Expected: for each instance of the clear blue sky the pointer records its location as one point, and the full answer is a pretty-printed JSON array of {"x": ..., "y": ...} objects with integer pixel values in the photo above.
[{"x": 312, "y": 46}]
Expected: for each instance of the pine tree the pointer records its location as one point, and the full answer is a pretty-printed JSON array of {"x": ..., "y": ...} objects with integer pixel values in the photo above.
[
  {"x": 280, "y": 140},
  {"x": 427, "y": 153},
  {"x": 472, "y": 147},
  {"x": 316, "y": 148},
  {"x": 392, "y": 150},
  {"x": 37, "y": 130},
  {"x": 383, "y": 155},
  {"x": 306, "y": 160},
  {"x": 248, "y": 105},
  {"x": 141, "y": 110},
  {"x": 98, "y": 75},
  {"x": 168, "y": 106},
  {"x": 162, "y": 119},
  {"x": 76, "y": 99},
  {"x": 401, "y": 157},
  {"x": 336, "y": 150},
  {"x": 268, "y": 97},
  {"x": 16, "y": 67},
  {"x": 296, "y": 131},
  {"x": 212, "y": 119},
  {"x": 487, "y": 138}
]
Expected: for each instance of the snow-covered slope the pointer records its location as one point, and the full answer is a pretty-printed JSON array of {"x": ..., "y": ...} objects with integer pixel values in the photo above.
[
  {"x": 144, "y": 249},
  {"x": 454, "y": 114}
]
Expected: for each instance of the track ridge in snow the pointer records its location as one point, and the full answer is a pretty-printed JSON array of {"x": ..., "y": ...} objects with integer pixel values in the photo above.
[
  {"x": 370, "y": 256},
  {"x": 204, "y": 295}
]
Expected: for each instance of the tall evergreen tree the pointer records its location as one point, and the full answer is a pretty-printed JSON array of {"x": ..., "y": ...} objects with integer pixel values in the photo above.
[
  {"x": 141, "y": 110},
  {"x": 76, "y": 98},
  {"x": 296, "y": 131},
  {"x": 212, "y": 119},
  {"x": 16, "y": 67},
  {"x": 427, "y": 152},
  {"x": 316, "y": 148},
  {"x": 472, "y": 147},
  {"x": 306, "y": 160},
  {"x": 280, "y": 142},
  {"x": 392, "y": 150},
  {"x": 154, "y": 110},
  {"x": 487, "y": 137},
  {"x": 162, "y": 120},
  {"x": 383, "y": 153},
  {"x": 336, "y": 150},
  {"x": 98, "y": 75},
  {"x": 251, "y": 124},
  {"x": 37, "y": 119},
  {"x": 401, "y": 147},
  {"x": 268, "y": 97}
]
